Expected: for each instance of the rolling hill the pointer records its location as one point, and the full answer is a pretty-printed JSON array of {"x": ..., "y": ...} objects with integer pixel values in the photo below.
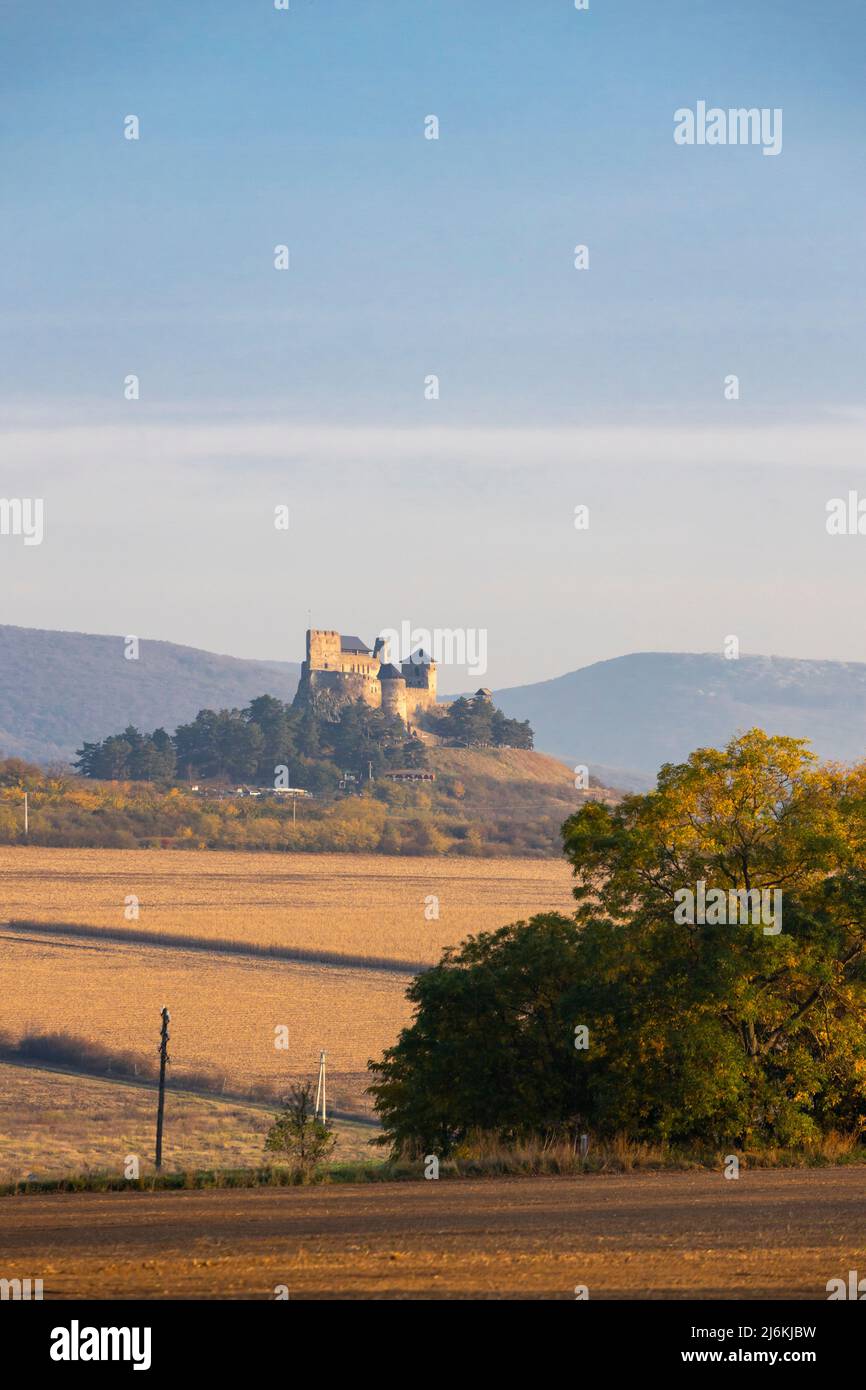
[
  {"x": 58, "y": 688},
  {"x": 623, "y": 718},
  {"x": 626, "y": 717}
]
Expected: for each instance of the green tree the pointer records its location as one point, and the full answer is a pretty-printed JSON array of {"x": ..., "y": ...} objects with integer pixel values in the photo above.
[
  {"x": 297, "y": 1137},
  {"x": 490, "y": 1046},
  {"x": 510, "y": 733},
  {"x": 274, "y": 721},
  {"x": 722, "y": 1032},
  {"x": 219, "y": 744}
]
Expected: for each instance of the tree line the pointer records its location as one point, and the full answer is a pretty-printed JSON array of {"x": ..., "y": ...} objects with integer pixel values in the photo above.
[
  {"x": 269, "y": 739},
  {"x": 475, "y": 722}
]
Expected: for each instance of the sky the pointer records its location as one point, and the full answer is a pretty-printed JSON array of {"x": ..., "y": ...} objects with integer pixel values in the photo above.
[{"x": 454, "y": 258}]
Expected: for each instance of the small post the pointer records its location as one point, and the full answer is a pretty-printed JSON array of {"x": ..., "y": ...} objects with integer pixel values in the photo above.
[
  {"x": 163, "y": 1059},
  {"x": 294, "y": 810},
  {"x": 320, "y": 1090},
  {"x": 26, "y": 816}
]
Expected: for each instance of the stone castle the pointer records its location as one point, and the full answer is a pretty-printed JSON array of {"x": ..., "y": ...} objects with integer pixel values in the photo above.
[{"x": 340, "y": 669}]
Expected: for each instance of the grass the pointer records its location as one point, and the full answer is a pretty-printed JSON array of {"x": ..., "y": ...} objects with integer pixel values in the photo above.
[
  {"x": 196, "y": 1180},
  {"x": 54, "y": 1124},
  {"x": 488, "y": 1159},
  {"x": 484, "y": 1156}
]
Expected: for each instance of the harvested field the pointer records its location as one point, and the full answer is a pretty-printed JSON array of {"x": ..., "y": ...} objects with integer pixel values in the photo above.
[
  {"x": 363, "y": 911},
  {"x": 53, "y": 1124},
  {"x": 771, "y": 1234},
  {"x": 357, "y": 905},
  {"x": 224, "y": 1010}
]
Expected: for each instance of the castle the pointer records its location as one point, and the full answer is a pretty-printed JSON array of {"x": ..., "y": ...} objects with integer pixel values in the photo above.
[{"x": 340, "y": 669}]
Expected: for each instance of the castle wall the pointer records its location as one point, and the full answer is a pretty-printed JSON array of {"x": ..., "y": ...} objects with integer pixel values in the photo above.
[
  {"x": 419, "y": 699},
  {"x": 354, "y": 676},
  {"x": 357, "y": 663},
  {"x": 394, "y": 699},
  {"x": 348, "y": 686}
]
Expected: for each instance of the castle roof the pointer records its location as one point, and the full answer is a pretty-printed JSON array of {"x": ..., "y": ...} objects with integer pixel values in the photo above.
[
  {"x": 419, "y": 658},
  {"x": 353, "y": 644},
  {"x": 388, "y": 672}
]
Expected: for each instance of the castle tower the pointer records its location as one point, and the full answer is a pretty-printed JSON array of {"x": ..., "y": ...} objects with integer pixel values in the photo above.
[
  {"x": 394, "y": 697},
  {"x": 323, "y": 650},
  {"x": 419, "y": 673}
]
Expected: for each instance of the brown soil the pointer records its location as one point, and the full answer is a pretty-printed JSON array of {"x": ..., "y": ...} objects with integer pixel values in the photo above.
[{"x": 769, "y": 1234}]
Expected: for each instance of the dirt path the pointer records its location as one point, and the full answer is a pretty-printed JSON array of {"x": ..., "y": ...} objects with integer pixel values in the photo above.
[{"x": 779, "y": 1234}]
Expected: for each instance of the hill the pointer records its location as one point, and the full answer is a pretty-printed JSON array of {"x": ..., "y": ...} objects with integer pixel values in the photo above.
[
  {"x": 623, "y": 718},
  {"x": 480, "y": 802},
  {"x": 639, "y": 711},
  {"x": 503, "y": 765},
  {"x": 59, "y": 688}
]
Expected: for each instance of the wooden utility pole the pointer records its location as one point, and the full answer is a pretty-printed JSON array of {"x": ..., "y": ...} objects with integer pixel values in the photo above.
[
  {"x": 320, "y": 1090},
  {"x": 160, "y": 1109}
]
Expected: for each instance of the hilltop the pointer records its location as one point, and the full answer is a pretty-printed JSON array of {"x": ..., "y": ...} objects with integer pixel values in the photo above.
[
  {"x": 60, "y": 688},
  {"x": 638, "y": 711}
]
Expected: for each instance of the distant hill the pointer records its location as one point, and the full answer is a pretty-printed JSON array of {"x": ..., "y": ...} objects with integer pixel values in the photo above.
[
  {"x": 626, "y": 717},
  {"x": 623, "y": 718},
  {"x": 58, "y": 688}
]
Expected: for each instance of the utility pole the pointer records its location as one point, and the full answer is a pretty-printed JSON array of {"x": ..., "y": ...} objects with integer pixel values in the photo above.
[
  {"x": 320, "y": 1090},
  {"x": 26, "y": 816},
  {"x": 294, "y": 810},
  {"x": 163, "y": 1058}
]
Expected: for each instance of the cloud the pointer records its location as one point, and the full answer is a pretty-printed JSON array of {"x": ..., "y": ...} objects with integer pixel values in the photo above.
[{"x": 266, "y": 445}]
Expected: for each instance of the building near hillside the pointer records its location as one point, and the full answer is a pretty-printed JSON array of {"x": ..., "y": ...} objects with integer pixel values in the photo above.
[{"x": 338, "y": 670}]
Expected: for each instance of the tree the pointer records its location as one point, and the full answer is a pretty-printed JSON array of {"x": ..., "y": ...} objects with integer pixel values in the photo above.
[
  {"x": 476, "y": 722},
  {"x": 15, "y": 772},
  {"x": 219, "y": 744},
  {"x": 297, "y": 1137},
  {"x": 113, "y": 761},
  {"x": 716, "y": 1031},
  {"x": 274, "y": 721},
  {"x": 159, "y": 763},
  {"x": 510, "y": 733},
  {"x": 782, "y": 1007},
  {"x": 490, "y": 1047}
]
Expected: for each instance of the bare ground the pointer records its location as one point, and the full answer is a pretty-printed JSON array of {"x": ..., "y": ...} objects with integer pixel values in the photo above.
[{"x": 769, "y": 1234}]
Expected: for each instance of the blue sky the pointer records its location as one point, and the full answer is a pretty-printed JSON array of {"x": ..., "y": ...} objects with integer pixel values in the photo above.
[{"x": 453, "y": 257}]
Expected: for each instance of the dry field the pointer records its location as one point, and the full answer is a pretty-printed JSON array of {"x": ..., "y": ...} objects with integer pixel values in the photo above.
[
  {"x": 53, "y": 1124},
  {"x": 773, "y": 1234},
  {"x": 225, "y": 1007},
  {"x": 362, "y": 904}
]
